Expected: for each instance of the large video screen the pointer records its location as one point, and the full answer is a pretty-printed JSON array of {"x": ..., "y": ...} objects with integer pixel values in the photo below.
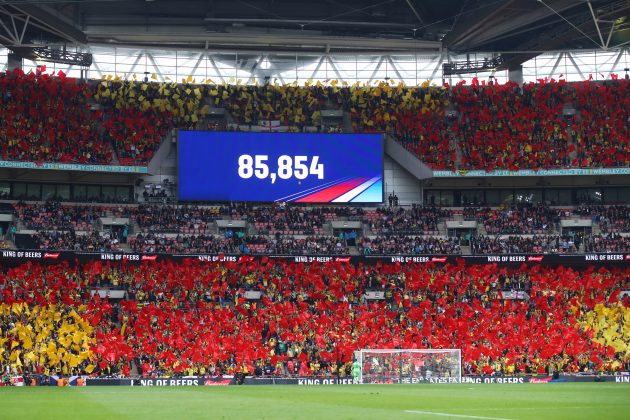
[{"x": 270, "y": 167}]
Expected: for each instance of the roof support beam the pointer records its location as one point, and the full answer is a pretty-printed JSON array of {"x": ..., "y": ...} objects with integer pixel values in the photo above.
[
  {"x": 9, "y": 34},
  {"x": 415, "y": 12},
  {"x": 612, "y": 29},
  {"x": 490, "y": 21},
  {"x": 596, "y": 22},
  {"x": 50, "y": 22}
]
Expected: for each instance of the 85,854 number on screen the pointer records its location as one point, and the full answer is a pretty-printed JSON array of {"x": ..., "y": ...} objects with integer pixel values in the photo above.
[{"x": 286, "y": 167}]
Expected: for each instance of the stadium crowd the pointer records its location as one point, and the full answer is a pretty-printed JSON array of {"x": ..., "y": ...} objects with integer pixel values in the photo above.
[
  {"x": 297, "y": 230},
  {"x": 611, "y": 219},
  {"x": 238, "y": 243},
  {"x": 297, "y": 220},
  {"x": 536, "y": 244},
  {"x": 197, "y": 318},
  {"x": 71, "y": 240},
  {"x": 406, "y": 221},
  {"x": 607, "y": 243},
  {"x": 538, "y": 219},
  {"x": 172, "y": 218},
  {"x": 511, "y": 127},
  {"x": 408, "y": 245},
  {"x": 52, "y": 215},
  {"x": 46, "y": 118},
  {"x": 498, "y": 126}
]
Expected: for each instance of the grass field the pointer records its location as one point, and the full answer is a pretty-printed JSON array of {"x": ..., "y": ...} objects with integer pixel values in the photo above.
[{"x": 465, "y": 401}]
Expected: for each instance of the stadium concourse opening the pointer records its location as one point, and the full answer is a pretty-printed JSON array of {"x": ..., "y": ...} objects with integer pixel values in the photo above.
[{"x": 209, "y": 209}]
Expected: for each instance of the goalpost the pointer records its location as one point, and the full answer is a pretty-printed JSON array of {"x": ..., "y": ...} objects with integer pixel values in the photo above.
[{"x": 409, "y": 366}]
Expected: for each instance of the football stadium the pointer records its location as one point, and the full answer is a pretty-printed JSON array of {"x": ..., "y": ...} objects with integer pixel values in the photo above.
[{"x": 315, "y": 209}]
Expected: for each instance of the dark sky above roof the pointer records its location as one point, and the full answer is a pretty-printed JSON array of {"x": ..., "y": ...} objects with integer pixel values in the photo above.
[{"x": 463, "y": 26}]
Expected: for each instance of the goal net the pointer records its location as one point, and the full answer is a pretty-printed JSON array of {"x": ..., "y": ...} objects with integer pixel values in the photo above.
[{"x": 383, "y": 366}]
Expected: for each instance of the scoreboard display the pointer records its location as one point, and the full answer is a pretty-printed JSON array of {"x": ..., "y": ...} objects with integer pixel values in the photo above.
[{"x": 280, "y": 167}]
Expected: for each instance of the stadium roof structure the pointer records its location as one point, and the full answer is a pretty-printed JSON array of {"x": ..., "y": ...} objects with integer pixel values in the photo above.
[{"x": 519, "y": 28}]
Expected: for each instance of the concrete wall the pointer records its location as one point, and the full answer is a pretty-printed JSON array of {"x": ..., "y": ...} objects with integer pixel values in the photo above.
[
  {"x": 398, "y": 180},
  {"x": 516, "y": 75}
]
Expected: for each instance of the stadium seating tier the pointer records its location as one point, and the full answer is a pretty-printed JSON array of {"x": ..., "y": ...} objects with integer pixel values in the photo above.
[
  {"x": 196, "y": 318},
  {"x": 465, "y": 127}
]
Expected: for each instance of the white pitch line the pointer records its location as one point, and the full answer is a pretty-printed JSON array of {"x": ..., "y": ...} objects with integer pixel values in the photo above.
[
  {"x": 531, "y": 408},
  {"x": 463, "y": 416}
]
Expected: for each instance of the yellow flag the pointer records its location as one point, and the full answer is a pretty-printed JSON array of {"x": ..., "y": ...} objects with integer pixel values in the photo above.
[
  {"x": 51, "y": 350},
  {"x": 17, "y": 308},
  {"x": 73, "y": 360},
  {"x": 27, "y": 343}
]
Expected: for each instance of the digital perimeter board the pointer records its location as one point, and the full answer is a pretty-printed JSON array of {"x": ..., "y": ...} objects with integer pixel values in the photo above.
[{"x": 280, "y": 167}]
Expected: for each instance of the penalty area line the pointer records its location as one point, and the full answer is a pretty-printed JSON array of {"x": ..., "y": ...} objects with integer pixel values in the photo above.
[{"x": 462, "y": 416}]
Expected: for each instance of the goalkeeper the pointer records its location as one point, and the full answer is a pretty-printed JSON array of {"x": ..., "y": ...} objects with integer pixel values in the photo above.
[{"x": 356, "y": 370}]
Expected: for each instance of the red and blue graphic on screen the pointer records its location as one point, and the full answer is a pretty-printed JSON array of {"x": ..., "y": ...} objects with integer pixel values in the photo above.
[{"x": 279, "y": 167}]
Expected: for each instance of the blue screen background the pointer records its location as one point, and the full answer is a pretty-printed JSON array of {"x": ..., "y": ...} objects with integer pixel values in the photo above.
[{"x": 208, "y": 163}]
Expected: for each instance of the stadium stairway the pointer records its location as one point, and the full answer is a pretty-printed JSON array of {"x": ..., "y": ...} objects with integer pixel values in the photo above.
[
  {"x": 115, "y": 160},
  {"x": 213, "y": 228},
  {"x": 251, "y": 229},
  {"x": 9, "y": 244},
  {"x": 124, "y": 247},
  {"x": 347, "y": 123},
  {"x": 571, "y": 141},
  {"x": 134, "y": 369},
  {"x": 454, "y": 143},
  {"x": 442, "y": 228},
  {"x": 134, "y": 227},
  {"x": 327, "y": 228},
  {"x": 481, "y": 229}
]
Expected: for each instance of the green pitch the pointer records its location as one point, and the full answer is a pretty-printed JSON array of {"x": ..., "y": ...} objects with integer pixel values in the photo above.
[{"x": 465, "y": 401}]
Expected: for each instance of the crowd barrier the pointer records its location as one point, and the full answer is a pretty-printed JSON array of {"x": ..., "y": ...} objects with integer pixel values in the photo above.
[
  {"x": 20, "y": 256},
  {"x": 193, "y": 381},
  {"x": 325, "y": 381}
]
